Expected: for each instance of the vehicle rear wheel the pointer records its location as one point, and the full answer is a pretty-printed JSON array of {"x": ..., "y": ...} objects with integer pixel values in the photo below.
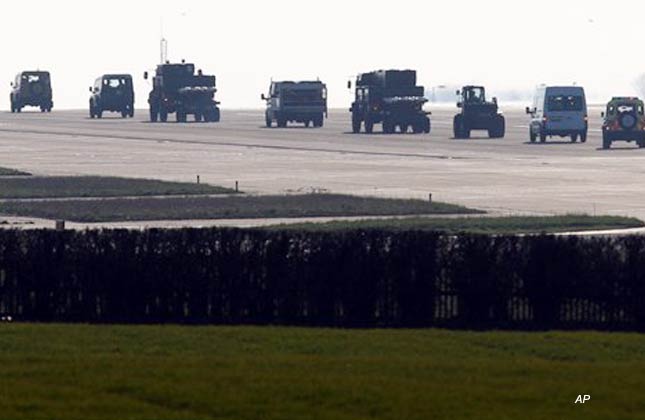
[
  {"x": 282, "y": 123},
  {"x": 583, "y": 137},
  {"x": 124, "y": 114},
  {"x": 356, "y": 124},
  {"x": 99, "y": 113},
  {"x": 180, "y": 117},
  {"x": 574, "y": 138},
  {"x": 198, "y": 117},
  {"x": 307, "y": 123},
  {"x": 404, "y": 128},
  {"x": 369, "y": 125},
  {"x": 388, "y": 127},
  {"x": 154, "y": 115},
  {"x": 163, "y": 115},
  {"x": 427, "y": 126},
  {"x": 318, "y": 121},
  {"x": 606, "y": 141},
  {"x": 268, "y": 121},
  {"x": 542, "y": 137}
]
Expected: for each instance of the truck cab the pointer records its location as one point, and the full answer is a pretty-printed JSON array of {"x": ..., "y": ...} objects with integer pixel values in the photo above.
[{"x": 301, "y": 102}]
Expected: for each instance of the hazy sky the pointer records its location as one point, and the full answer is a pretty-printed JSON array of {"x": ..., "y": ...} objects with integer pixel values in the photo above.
[{"x": 503, "y": 44}]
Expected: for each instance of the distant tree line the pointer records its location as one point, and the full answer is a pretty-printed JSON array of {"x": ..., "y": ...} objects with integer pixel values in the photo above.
[{"x": 353, "y": 279}]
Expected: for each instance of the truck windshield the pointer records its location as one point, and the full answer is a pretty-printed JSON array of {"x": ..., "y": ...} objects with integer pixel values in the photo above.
[
  {"x": 565, "y": 103},
  {"x": 475, "y": 96},
  {"x": 115, "y": 83}
]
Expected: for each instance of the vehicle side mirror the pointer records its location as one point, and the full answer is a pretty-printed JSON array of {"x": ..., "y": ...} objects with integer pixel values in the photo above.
[
  {"x": 528, "y": 110},
  {"x": 349, "y": 84},
  {"x": 145, "y": 75},
  {"x": 495, "y": 101},
  {"x": 459, "y": 105},
  {"x": 458, "y": 93},
  {"x": 602, "y": 114},
  {"x": 263, "y": 97},
  {"x": 91, "y": 89}
]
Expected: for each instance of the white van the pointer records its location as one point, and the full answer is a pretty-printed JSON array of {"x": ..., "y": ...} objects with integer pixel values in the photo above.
[{"x": 559, "y": 111}]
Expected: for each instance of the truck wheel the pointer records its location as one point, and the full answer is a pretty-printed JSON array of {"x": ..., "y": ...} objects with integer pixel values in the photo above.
[
  {"x": 43, "y": 109},
  {"x": 99, "y": 113},
  {"x": 606, "y": 141},
  {"x": 163, "y": 115},
  {"x": 154, "y": 115},
  {"x": 268, "y": 120},
  {"x": 542, "y": 137},
  {"x": 499, "y": 128},
  {"x": 583, "y": 137},
  {"x": 356, "y": 124},
  {"x": 198, "y": 117},
  {"x": 124, "y": 114},
  {"x": 369, "y": 125},
  {"x": 404, "y": 128},
  {"x": 282, "y": 123},
  {"x": 532, "y": 135},
  {"x": 307, "y": 123},
  {"x": 458, "y": 127},
  {"x": 388, "y": 127},
  {"x": 318, "y": 121},
  {"x": 428, "y": 126},
  {"x": 180, "y": 117},
  {"x": 92, "y": 115}
]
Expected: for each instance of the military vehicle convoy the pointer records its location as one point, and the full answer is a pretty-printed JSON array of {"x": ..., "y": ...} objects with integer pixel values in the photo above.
[
  {"x": 301, "y": 102},
  {"x": 112, "y": 93},
  {"x": 176, "y": 88},
  {"x": 624, "y": 120},
  {"x": 390, "y": 97},
  {"x": 32, "y": 88},
  {"x": 477, "y": 114}
]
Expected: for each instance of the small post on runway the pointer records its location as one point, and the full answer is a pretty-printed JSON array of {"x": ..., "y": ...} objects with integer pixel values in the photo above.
[
  {"x": 60, "y": 225},
  {"x": 430, "y": 198},
  {"x": 237, "y": 186},
  {"x": 198, "y": 179}
]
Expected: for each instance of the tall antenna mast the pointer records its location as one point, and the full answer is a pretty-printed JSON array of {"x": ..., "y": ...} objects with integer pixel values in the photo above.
[{"x": 163, "y": 46}]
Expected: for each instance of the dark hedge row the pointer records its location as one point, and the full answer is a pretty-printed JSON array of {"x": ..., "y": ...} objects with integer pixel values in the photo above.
[{"x": 345, "y": 279}]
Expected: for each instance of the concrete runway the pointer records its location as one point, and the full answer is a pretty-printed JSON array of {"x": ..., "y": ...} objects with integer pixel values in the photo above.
[{"x": 509, "y": 176}]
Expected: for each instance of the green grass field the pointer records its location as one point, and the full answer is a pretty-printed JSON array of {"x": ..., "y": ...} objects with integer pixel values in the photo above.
[
  {"x": 482, "y": 225},
  {"x": 97, "y": 186},
  {"x": 12, "y": 172},
  {"x": 230, "y": 207},
  {"x": 187, "y": 373}
]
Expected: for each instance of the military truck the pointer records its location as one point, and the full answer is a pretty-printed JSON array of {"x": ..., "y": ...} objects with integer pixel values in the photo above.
[
  {"x": 32, "y": 88},
  {"x": 112, "y": 93},
  {"x": 301, "y": 102},
  {"x": 390, "y": 97},
  {"x": 624, "y": 120},
  {"x": 477, "y": 114},
  {"x": 176, "y": 88}
]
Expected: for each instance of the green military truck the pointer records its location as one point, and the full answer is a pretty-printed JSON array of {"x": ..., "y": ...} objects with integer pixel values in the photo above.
[{"x": 300, "y": 102}]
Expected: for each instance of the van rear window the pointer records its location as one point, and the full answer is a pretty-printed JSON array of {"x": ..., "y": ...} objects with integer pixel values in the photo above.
[{"x": 565, "y": 103}]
